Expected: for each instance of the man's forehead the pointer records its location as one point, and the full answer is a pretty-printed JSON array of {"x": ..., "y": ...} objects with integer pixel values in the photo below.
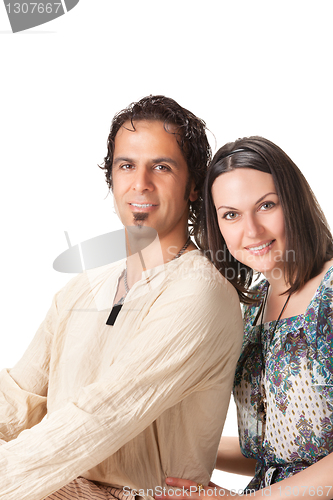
[
  {"x": 148, "y": 140},
  {"x": 148, "y": 124}
]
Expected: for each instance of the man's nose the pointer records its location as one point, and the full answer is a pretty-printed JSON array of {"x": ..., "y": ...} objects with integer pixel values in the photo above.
[{"x": 142, "y": 180}]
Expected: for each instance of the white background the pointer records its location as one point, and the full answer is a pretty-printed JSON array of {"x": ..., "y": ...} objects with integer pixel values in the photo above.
[{"x": 245, "y": 67}]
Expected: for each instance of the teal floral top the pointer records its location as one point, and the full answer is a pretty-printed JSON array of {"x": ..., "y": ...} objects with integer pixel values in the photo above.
[{"x": 298, "y": 384}]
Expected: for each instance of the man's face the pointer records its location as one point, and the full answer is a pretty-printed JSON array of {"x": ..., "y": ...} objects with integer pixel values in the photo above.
[{"x": 149, "y": 177}]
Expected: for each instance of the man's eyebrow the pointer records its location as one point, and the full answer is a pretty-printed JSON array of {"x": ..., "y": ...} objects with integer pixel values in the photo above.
[
  {"x": 256, "y": 203},
  {"x": 162, "y": 159},
  {"x": 166, "y": 159},
  {"x": 122, "y": 158}
]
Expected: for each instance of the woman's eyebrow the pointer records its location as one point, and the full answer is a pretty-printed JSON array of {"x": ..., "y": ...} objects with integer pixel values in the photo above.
[
  {"x": 260, "y": 199},
  {"x": 228, "y": 208},
  {"x": 263, "y": 197}
]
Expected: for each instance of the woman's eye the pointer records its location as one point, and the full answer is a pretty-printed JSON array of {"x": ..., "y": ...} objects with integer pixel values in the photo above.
[
  {"x": 230, "y": 215},
  {"x": 267, "y": 205}
]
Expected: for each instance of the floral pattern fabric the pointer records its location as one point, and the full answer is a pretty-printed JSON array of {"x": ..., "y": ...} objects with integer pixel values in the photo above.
[{"x": 298, "y": 384}]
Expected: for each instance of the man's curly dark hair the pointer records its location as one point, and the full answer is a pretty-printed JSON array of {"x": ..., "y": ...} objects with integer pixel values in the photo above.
[{"x": 190, "y": 134}]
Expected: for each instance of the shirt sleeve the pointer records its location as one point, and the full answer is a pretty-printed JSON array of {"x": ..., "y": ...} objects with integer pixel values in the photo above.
[
  {"x": 321, "y": 344},
  {"x": 183, "y": 345},
  {"x": 23, "y": 388}
]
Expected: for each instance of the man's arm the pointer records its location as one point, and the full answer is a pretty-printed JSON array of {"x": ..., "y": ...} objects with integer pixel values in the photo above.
[
  {"x": 184, "y": 343},
  {"x": 23, "y": 388}
]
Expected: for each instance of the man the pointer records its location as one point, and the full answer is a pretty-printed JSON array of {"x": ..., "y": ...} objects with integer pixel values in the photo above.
[{"x": 142, "y": 393}]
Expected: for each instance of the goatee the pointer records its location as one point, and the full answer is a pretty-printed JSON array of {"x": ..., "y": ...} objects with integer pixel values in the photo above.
[{"x": 139, "y": 218}]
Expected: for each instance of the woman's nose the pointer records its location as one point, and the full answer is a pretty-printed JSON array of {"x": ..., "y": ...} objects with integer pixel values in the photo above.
[{"x": 253, "y": 227}]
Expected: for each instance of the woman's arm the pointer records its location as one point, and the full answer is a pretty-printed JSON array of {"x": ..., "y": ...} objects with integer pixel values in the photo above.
[
  {"x": 230, "y": 458},
  {"x": 313, "y": 483}
]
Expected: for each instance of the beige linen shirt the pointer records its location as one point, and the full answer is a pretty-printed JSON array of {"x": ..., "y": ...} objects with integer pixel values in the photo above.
[{"x": 129, "y": 404}]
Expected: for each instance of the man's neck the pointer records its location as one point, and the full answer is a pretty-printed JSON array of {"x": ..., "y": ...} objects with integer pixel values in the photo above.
[{"x": 160, "y": 251}]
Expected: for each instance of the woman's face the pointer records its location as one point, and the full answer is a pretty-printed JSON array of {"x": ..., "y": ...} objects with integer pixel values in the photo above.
[{"x": 251, "y": 219}]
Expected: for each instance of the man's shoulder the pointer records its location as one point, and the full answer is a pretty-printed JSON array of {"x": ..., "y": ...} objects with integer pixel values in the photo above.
[
  {"x": 87, "y": 281},
  {"x": 205, "y": 301},
  {"x": 195, "y": 272},
  {"x": 195, "y": 265}
]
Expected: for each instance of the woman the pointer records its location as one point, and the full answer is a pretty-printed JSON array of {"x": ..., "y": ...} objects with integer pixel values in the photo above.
[{"x": 261, "y": 215}]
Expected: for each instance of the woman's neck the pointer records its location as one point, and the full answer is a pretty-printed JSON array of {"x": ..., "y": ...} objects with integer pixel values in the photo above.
[{"x": 277, "y": 284}]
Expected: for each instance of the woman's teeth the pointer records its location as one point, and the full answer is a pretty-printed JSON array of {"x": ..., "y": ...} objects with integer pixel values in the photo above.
[{"x": 261, "y": 246}]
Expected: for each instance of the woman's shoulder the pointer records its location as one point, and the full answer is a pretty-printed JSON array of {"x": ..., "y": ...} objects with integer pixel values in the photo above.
[
  {"x": 325, "y": 289},
  {"x": 259, "y": 287},
  {"x": 258, "y": 290},
  {"x": 327, "y": 273}
]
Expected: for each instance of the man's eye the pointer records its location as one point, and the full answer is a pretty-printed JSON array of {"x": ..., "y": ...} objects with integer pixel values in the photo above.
[
  {"x": 162, "y": 168},
  {"x": 127, "y": 166}
]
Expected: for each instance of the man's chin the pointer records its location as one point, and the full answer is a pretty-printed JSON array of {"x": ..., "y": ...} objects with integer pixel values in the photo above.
[{"x": 139, "y": 218}]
